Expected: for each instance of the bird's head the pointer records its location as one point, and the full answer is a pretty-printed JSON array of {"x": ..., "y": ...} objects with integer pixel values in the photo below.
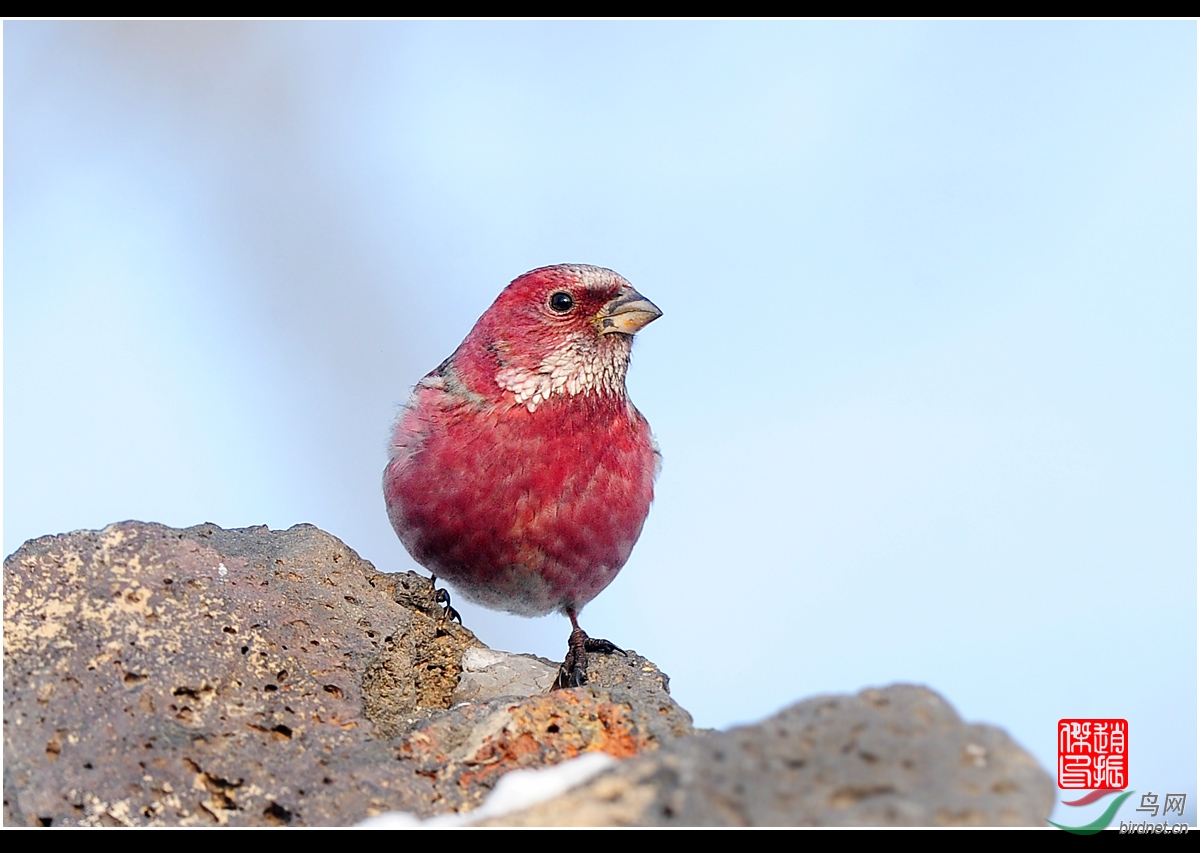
[{"x": 561, "y": 330}]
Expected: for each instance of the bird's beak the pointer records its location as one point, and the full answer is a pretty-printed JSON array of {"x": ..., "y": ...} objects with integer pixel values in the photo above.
[{"x": 626, "y": 314}]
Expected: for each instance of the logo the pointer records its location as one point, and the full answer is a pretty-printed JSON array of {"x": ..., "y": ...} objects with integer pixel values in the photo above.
[
  {"x": 1100, "y": 823},
  {"x": 1093, "y": 754}
]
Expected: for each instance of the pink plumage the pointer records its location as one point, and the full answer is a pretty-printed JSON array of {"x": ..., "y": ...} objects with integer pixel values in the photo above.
[{"x": 519, "y": 470}]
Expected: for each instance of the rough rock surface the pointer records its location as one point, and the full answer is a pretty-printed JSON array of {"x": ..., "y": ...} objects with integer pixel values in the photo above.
[
  {"x": 250, "y": 677},
  {"x": 489, "y": 674},
  {"x": 209, "y": 676},
  {"x": 898, "y": 756}
]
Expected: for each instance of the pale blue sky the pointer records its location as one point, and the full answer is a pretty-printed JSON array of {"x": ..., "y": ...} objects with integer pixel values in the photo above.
[{"x": 925, "y": 381}]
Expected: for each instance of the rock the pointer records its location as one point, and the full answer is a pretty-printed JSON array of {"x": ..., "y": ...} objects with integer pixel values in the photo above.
[
  {"x": 491, "y": 674},
  {"x": 625, "y": 710},
  {"x": 207, "y": 676},
  {"x": 898, "y": 756},
  {"x": 247, "y": 677},
  {"x": 155, "y": 676},
  {"x": 465, "y": 751}
]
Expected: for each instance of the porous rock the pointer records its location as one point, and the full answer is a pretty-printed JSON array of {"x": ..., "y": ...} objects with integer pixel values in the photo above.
[
  {"x": 897, "y": 756},
  {"x": 156, "y": 676},
  {"x": 243, "y": 677},
  {"x": 623, "y": 711}
]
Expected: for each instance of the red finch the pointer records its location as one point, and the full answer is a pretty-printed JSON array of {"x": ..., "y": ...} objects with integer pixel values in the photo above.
[{"x": 519, "y": 470}]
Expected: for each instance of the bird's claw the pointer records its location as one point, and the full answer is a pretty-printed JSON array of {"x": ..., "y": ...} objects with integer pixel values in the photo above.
[
  {"x": 570, "y": 675},
  {"x": 604, "y": 647},
  {"x": 573, "y": 670},
  {"x": 578, "y": 677},
  {"x": 442, "y": 597}
]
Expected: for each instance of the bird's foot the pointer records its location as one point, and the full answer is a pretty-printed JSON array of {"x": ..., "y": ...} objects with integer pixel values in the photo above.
[
  {"x": 442, "y": 597},
  {"x": 573, "y": 670}
]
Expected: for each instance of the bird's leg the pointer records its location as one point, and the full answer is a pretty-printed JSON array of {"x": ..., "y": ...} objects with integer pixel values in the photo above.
[
  {"x": 441, "y": 596},
  {"x": 573, "y": 671}
]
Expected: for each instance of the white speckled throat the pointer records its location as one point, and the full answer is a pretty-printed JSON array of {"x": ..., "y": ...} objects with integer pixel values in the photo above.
[{"x": 582, "y": 364}]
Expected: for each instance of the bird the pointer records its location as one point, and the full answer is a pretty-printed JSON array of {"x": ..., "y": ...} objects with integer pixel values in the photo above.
[{"x": 519, "y": 470}]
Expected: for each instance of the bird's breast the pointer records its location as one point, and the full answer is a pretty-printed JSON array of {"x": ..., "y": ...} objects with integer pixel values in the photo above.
[{"x": 551, "y": 498}]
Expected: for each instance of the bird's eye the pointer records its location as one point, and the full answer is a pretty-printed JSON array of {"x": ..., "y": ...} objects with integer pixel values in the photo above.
[{"x": 562, "y": 302}]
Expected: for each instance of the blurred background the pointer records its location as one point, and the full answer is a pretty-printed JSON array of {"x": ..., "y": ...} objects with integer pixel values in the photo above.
[{"x": 925, "y": 381}]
